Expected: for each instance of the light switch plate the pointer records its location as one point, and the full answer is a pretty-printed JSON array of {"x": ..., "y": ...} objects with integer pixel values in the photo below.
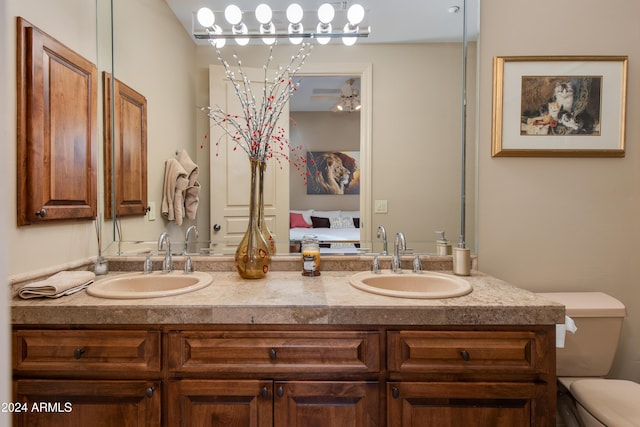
[{"x": 381, "y": 206}]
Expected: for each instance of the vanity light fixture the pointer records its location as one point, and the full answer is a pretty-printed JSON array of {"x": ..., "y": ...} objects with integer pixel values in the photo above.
[{"x": 261, "y": 24}]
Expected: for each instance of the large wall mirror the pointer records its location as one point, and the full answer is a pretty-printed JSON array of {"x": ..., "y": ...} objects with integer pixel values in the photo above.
[{"x": 407, "y": 134}]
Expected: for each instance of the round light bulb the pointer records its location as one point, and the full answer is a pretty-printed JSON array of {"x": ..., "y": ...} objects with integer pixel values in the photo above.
[
  {"x": 323, "y": 28},
  {"x": 326, "y": 13},
  {"x": 349, "y": 40},
  {"x": 233, "y": 14},
  {"x": 355, "y": 14},
  {"x": 267, "y": 30},
  {"x": 241, "y": 29},
  {"x": 295, "y": 13},
  {"x": 218, "y": 43},
  {"x": 263, "y": 14},
  {"x": 293, "y": 30},
  {"x": 206, "y": 18}
]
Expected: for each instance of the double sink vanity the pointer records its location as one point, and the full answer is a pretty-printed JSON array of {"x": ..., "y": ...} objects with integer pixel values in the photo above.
[{"x": 289, "y": 350}]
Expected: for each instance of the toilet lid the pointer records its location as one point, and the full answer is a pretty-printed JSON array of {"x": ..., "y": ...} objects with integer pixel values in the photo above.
[{"x": 612, "y": 402}]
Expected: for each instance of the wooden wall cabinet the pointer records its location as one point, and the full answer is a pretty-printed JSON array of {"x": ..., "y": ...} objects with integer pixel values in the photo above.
[
  {"x": 125, "y": 149},
  {"x": 57, "y": 130},
  {"x": 289, "y": 376}
]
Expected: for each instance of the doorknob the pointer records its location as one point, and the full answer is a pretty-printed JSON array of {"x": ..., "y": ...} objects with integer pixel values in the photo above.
[{"x": 217, "y": 227}]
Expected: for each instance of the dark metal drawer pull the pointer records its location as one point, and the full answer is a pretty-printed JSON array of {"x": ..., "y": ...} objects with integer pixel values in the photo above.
[{"x": 78, "y": 352}]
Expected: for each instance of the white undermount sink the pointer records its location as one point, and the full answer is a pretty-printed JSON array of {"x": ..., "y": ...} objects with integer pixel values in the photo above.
[
  {"x": 154, "y": 285},
  {"x": 426, "y": 284}
]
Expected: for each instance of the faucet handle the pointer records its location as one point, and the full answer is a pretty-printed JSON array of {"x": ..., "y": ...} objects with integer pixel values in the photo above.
[
  {"x": 167, "y": 264},
  {"x": 417, "y": 265},
  {"x": 396, "y": 264},
  {"x": 148, "y": 265},
  {"x": 188, "y": 265},
  {"x": 375, "y": 265}
]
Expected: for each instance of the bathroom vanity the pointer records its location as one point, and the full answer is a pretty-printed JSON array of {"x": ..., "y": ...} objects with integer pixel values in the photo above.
[{"x": 290, "y": 350}]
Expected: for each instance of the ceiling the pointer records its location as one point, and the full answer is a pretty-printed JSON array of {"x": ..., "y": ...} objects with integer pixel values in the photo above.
[{"x": 398, "y": 21}]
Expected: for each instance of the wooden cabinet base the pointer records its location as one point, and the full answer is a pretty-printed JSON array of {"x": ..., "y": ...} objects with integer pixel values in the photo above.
[{"x": 285, "y": 376}]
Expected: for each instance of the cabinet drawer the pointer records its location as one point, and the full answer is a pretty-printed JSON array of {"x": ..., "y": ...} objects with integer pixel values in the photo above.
[
  {"x": 131, "y": 354},
  {"x": 275, "y": 351},
  {"x": 460, "y": 351}
]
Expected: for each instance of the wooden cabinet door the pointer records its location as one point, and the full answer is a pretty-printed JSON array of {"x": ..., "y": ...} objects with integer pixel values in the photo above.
[
  {"x": 422, "y": 404},
  {"x": 57, "y": 130},
  {"x": 81, "y": 403},
  {"x": 204, "y": 403},
  {"x": 326, "y": 403},
  {"x": 125, "y": 149}
]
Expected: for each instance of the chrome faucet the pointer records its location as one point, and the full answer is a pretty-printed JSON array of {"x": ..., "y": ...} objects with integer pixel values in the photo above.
[
  {"x": 382, "y": 234},
  {"x": 167, "y": 264},
  {"x": 399, "y": 246},
  {"x": 191, "y": 229}
]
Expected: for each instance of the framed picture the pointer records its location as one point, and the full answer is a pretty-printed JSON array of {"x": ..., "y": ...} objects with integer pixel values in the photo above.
[
  {"x": 333, "y": 172},
  {"x": 559, "y": 106}
]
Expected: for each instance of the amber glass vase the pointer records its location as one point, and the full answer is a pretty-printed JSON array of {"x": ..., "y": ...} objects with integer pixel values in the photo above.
[
  {"x": 266, "y": 233},
  {"x": 253, "y": 256}
]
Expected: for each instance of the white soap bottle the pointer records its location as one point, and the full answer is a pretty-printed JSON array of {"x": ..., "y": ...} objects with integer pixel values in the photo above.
[{"x": 442, "y": 245}]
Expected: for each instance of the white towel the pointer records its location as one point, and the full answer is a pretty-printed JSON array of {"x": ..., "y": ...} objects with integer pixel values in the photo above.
[
  {"x": 175, "y": 184},
  {"x": 192, "y": 192},
  {"x": 60, "y": 284}
]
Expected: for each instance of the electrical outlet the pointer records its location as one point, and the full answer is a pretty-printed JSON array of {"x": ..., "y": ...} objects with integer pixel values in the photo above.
[
  {"x": 151, "y": 215},
  {"x": 381, "y": 206}
]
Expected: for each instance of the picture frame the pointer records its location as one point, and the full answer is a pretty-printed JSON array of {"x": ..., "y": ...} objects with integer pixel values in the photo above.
[
  {"x": 333, "y": 172},
  {"x": 559, "y": 106}
]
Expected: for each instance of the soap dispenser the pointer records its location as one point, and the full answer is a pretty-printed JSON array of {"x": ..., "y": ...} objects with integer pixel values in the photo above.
[
  {"x": 461, "y": 259},
  {"x": 442, "y": 245}
]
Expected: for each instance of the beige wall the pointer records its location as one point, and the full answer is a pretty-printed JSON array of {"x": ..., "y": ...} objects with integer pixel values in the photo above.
[
  {"x": 155, "y": 56},
  {"x": 73, "y": 23},
  {"x": 563, "y": 224},
  {"x": 310, "y": 130}
]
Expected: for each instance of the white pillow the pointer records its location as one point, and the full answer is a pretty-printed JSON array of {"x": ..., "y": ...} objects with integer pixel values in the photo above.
[
  {"x": 350, "y": 214},
  {"x": 341, "y": 222}
]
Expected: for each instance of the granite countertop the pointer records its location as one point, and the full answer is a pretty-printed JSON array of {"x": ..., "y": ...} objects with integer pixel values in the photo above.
[{"x": 287, "y": 297}]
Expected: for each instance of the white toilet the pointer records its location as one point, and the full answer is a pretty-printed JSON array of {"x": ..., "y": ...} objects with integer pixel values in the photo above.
[{"x": 585, "y": 398}]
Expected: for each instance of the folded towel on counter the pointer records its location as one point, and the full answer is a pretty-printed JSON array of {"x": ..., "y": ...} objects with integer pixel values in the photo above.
[
  {"x": 175, "y": 184},
  {"x": 192, "y": 192},
  {"x": 60, "y": 284}
]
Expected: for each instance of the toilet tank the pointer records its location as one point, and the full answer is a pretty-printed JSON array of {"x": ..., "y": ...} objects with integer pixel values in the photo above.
[{"x": 590, "y": 351}]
